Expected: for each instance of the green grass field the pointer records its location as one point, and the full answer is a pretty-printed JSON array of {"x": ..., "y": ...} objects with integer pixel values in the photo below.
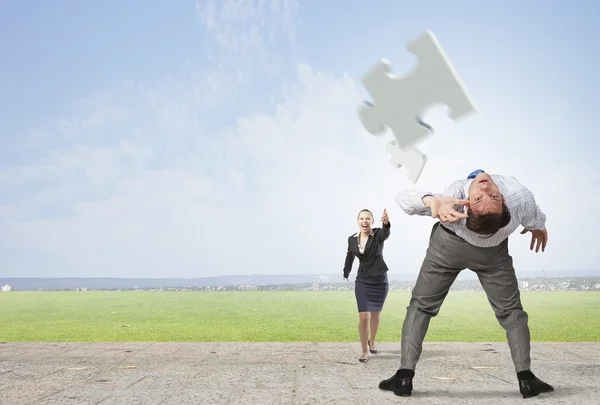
[{"x": 286, "y": 316}]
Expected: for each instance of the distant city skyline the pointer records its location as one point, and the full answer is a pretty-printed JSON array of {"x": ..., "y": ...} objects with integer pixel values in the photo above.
[{"x": 407, "y": 279}]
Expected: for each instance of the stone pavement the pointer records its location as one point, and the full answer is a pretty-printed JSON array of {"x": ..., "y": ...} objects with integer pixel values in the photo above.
[{"x": 285, "y": 373}]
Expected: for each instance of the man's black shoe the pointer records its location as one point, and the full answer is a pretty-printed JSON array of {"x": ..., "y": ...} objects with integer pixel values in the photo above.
[
  {"x": 533, "y": 386},
  {"x": 400, "y": 383}
]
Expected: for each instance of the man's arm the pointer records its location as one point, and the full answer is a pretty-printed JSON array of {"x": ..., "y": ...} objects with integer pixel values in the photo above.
[
  {"x": 534, "y": 221},
  {"x": 417, "y": 202},
  {"x": 534, "y": 218},
  {"x": 411, "y": 202}
]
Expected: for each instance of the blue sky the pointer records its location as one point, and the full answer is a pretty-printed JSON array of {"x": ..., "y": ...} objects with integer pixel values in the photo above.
[{"x": 190, "y": 139}]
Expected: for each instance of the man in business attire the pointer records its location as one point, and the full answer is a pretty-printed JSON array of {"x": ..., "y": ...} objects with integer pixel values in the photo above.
[{"x": 477, "y": 240}]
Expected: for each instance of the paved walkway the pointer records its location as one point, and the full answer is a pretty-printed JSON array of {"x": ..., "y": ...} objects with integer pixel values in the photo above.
[{"x": 285, "y": 373}]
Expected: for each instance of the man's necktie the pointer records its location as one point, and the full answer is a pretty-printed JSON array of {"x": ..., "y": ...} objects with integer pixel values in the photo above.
[{"x": 475, "y": 173}]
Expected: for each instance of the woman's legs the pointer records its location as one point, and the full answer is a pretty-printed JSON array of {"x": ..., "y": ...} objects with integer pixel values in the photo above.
[
  {"x": 363, "y": 332},
  {"x": 374, "y": 325},
  {"x": 375, "y": 316}
]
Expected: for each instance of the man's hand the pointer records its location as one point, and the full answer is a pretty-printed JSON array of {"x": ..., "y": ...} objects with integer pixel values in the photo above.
[
  {"x": 384, "y": 218},
  {"x": 541, "y": 236},
  {"x": 443, "y": 208}
]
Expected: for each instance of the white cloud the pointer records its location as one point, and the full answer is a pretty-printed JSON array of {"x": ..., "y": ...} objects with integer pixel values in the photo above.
[
  {"x": 251, "y": 38},
  {"x": 276, "y": 193},
  {"x": 248, "y": 199},
  {"x": 246, "y": 26}
]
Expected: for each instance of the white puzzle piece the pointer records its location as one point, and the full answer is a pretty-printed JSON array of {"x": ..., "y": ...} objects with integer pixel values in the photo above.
[
  {"x": 399, "y": 101},
  {"x": 410, "y": 157}
]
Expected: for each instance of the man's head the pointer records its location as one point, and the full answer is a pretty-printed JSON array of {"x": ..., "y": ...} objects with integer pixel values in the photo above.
[{"x": 487, "y": 209}]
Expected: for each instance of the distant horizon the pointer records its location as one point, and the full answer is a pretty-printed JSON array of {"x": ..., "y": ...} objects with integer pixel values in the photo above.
[
  {"x": 250, "y": 275},
  {"x": 111, "y": 283}
]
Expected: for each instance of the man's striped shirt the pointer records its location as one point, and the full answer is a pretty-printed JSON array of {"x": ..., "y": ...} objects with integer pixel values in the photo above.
[{"x": 520, "y": 201}]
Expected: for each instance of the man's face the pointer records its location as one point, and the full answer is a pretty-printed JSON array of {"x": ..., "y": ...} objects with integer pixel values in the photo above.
[{"x": 484, "y": 195}]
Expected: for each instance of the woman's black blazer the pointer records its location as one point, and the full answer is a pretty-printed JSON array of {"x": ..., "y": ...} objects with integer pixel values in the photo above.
[{"x": 371, "y": 260}]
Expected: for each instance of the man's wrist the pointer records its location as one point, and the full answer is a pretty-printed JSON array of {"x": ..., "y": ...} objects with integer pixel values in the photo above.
[{"x": 427, "y": 200}]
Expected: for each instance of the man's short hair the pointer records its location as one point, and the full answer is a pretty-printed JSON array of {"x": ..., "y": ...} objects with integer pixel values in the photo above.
[{"x": 488, "y": 224}]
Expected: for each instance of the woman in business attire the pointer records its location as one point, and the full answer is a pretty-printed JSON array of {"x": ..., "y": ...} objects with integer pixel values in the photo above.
[{"x": 371, "y": 285}]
